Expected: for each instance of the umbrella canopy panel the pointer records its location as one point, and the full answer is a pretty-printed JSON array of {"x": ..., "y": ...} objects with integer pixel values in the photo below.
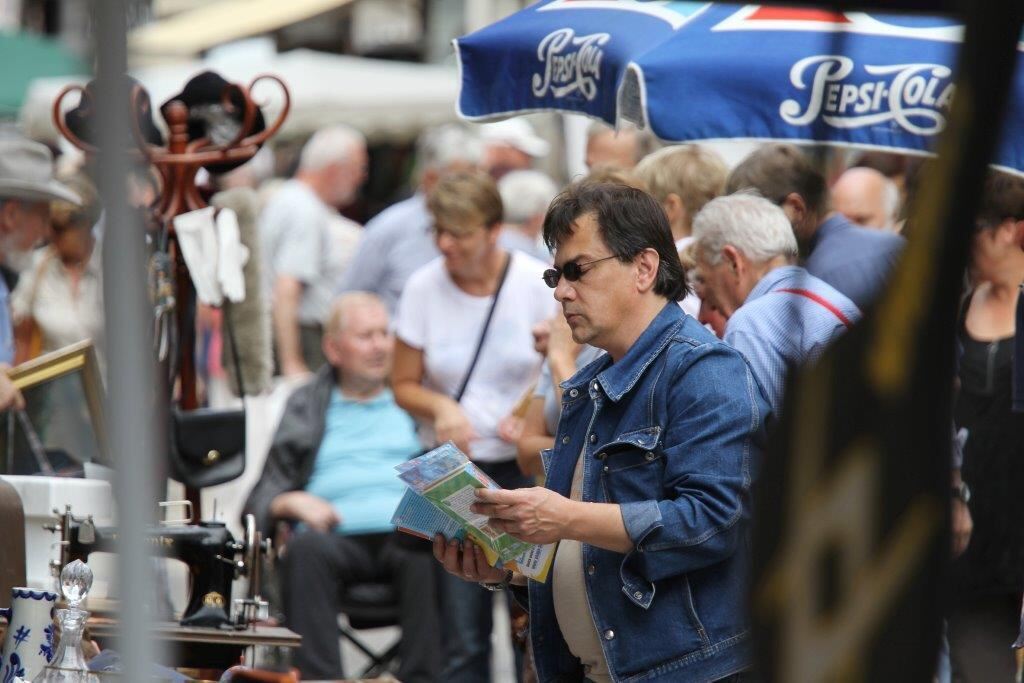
[
  {"x": 706, "y": 71},
  {"x": 26, "y": 57}
]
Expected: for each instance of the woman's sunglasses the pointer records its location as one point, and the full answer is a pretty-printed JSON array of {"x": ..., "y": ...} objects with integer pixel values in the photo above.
[{"x": 572, "y": 271}]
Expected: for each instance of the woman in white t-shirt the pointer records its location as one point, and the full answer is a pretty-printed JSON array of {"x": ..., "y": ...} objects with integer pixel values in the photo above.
[{"x": 440, "y": 317}]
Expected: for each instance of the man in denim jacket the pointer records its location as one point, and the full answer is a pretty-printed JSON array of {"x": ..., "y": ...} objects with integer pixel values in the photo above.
[{"x": 648, "y": 486}]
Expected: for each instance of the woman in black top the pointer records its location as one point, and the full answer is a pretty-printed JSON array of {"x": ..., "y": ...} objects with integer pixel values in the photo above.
[{"x": 989, "y": 577}]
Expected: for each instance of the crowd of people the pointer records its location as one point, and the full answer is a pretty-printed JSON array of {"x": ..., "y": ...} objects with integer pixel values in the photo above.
[
  {"x": 611, "y": 351},
  {"x": 771, "y": 262}
]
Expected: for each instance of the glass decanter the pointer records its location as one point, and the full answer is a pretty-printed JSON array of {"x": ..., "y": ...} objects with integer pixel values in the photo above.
[{"x": 68, "y": 662}]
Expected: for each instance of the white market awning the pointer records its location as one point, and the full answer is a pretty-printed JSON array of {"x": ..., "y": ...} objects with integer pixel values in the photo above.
[
  {"x": 190, "y": 32},
  {"x": 384, "y": 99}
]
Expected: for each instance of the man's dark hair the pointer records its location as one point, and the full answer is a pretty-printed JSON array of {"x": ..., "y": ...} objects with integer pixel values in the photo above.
[
  {"x": 629, "y": 220},
  {"x": 776, "y": 170},
  {"x": 1002, "y": 198}
]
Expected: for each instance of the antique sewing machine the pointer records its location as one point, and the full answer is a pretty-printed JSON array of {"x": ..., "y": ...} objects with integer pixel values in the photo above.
[{"x": 209, "y": 550}]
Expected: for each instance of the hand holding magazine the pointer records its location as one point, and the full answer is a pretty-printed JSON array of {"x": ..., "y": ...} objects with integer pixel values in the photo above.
[{"x": 442, "y": 486}]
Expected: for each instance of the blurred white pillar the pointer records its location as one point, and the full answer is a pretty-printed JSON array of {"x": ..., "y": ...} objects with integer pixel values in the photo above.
[
  {"x": 132, "y": 395},
  {"x": 10, "y": 15}
]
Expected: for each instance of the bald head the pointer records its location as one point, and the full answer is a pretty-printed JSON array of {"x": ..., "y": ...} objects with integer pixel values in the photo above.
[
  {"x": 607, "y": 146},
  {"x": 867, "y": 198},
  {"x": 358, "y": 342}
]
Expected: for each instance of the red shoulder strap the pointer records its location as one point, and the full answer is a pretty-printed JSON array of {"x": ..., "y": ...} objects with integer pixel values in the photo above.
[{"x": 821, "y": 301}]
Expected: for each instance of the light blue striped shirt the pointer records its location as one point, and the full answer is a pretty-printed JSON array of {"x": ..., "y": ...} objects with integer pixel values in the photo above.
[{"x": 776, "y": 329}]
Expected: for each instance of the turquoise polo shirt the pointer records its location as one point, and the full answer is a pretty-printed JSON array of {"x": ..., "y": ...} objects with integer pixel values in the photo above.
[{"x": 354, "y": 468}]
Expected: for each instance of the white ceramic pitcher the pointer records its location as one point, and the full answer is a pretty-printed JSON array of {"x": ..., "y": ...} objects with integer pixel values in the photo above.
[{"x": 28, "y": 645}]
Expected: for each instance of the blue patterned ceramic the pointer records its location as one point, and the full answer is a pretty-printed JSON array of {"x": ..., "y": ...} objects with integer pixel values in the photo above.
[{"x": 28, "y": 645}]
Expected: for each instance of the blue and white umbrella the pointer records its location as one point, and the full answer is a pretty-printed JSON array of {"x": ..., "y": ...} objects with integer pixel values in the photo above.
[{"x": 706, "y": 71}]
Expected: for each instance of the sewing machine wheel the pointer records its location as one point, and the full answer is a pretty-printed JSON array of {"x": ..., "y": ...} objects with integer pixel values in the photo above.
[{"x": 252, "y": 545}]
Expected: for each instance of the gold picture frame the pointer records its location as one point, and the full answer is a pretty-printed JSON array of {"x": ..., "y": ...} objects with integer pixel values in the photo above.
[{"x": 48, "y": 381}]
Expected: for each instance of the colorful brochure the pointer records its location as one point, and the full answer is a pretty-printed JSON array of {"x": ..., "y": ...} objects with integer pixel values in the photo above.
[{"x": 442, "y": 486}]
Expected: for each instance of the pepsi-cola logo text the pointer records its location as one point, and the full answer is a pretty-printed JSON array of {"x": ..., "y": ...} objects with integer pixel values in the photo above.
[{"x": 571, "y": 64}]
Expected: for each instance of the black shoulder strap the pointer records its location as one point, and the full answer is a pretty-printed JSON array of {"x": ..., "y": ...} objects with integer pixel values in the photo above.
[
  {"x": 483, "y": 332},
  {"x": 229, "y": 326}
]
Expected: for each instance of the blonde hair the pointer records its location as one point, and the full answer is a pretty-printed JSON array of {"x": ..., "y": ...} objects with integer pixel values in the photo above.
[
  {"x": 688, "y": 256},
  {"x": 466, "y": 196},
  {"x": 610, "y": 173},
  {"x": 693, "y": 173},
  {"x": 65, "y": 215}
]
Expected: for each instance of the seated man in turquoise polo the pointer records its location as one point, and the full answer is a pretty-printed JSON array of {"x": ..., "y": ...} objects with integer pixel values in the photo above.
[{"x": 331, "y": 470}]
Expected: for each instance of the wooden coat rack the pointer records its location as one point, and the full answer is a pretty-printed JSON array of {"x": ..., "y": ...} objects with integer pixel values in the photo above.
[{"x": 176, "y": 165}]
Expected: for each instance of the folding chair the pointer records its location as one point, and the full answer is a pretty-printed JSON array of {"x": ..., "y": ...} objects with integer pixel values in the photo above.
[{"x": 371, "y": 605}]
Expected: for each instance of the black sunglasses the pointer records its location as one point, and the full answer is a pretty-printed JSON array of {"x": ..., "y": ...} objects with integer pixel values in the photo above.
[{"x": 572, "y": 271}]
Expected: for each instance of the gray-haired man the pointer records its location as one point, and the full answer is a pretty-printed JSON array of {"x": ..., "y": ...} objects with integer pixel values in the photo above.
[{"x": 779, "y": 315}]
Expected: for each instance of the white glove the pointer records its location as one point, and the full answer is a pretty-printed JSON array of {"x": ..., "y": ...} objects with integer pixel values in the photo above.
[{"x": 197, "y": 238}]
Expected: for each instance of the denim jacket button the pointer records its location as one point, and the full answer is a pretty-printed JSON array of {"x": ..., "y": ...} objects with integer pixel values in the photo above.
[
  {"x": 596, "y": 386},
  {"x": 601, "y": 455},
  {"x": 638, "y": 595},
  {"x": 573, "y": 393},
  {"x": 609, "y": 634},
  {"x": 605, "y": 468},
  {"x": 591, "y": 569},
  {"x": 648, "y": 456},
  {"x": 565, "y": 439},
  {"x": 593, "y": 438}
]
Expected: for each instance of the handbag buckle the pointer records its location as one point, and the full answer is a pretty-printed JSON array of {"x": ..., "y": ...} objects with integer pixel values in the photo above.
[{"x": 211, "y": 457}]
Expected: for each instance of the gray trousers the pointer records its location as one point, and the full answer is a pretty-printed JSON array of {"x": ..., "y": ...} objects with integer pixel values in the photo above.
[{"x": 318, "y": 565}]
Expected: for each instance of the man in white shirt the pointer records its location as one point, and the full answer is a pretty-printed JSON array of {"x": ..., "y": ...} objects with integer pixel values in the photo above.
[{"x": 296, "y": 234}]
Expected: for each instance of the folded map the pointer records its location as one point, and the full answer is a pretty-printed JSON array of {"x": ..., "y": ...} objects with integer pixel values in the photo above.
[{"x": 442, "y": 485}]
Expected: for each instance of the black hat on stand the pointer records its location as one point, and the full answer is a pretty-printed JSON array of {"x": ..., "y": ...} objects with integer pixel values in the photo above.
[
  {"x": 208, "y": 118},
  {"x": 82, "y": 119}
]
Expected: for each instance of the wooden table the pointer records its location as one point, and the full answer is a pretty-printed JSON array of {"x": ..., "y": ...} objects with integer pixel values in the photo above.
[{"x": 205, "y": 648}]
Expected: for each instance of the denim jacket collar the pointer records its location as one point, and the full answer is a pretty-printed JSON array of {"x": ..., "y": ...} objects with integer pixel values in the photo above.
[{"x": 617, "y": 379}]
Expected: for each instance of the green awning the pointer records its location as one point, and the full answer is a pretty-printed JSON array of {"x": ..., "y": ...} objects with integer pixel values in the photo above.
[{"x": 24, "y": 57}]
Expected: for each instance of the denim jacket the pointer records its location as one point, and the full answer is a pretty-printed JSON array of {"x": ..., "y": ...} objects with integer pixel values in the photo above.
[{"x": 672, "y": 433}]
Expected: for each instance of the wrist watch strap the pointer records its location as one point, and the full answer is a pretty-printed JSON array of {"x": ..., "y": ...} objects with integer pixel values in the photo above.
[{"x": 501, "y": 585}]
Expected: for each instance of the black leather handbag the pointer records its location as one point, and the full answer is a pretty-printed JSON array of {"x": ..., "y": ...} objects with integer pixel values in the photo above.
[{"x": 207, "y": 445}]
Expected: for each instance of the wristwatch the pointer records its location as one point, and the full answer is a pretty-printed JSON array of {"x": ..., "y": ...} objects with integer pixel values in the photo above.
[
  {"x": 962, "y": 492},
  {"x": 501, "y": 585}
]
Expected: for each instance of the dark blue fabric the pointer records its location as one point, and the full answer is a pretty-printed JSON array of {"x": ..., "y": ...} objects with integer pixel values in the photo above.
[
  {"x": 857, "y": 261},
  {"x": 672, "y": 433},
  {"x": 744, "y": 71}
]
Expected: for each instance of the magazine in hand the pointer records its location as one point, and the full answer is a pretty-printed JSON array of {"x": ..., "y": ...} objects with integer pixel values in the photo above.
[{"x": 442, "y": 485}]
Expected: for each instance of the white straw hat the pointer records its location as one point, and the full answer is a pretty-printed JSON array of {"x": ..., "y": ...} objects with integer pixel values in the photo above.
[{"x": 26, "y": 172}]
